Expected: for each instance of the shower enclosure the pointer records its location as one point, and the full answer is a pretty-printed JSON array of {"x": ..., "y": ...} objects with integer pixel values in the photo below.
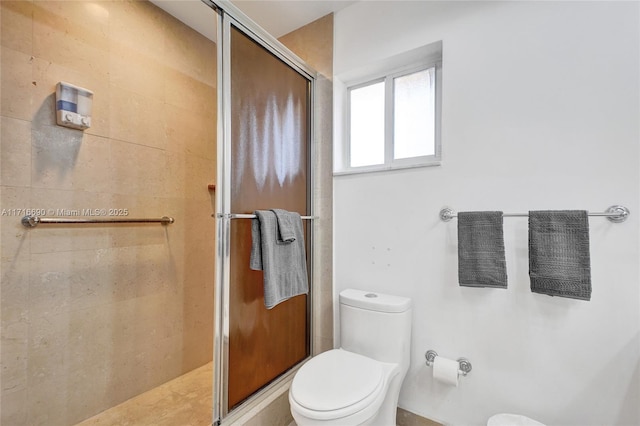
[
  {"x": 95, "y": 314},
  {"x": 265, "y": 161}
]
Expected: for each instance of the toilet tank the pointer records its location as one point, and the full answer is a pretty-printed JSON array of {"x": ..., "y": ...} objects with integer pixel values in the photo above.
[{"x": 376, "y": 325}]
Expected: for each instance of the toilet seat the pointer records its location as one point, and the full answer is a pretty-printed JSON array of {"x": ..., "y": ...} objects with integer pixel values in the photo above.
[
  {"x": 505, "y": 419},
  {"x": 339, "y": 383}
]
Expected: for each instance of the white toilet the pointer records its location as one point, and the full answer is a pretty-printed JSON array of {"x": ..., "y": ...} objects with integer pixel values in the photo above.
[{"x": 359, "y": 383}]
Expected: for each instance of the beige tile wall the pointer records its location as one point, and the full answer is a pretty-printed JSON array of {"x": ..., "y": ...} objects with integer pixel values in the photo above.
[{"x": 93, "y": 315}]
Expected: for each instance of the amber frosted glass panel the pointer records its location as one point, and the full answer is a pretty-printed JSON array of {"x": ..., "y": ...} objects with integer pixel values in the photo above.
[{"x": 269, "y": 156}]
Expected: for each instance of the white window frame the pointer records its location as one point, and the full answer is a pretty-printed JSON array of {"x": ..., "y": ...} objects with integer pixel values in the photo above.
[{"x": 388, "y": 74}]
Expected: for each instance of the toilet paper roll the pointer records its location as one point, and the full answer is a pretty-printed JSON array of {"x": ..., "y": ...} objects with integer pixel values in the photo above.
[{"x": 445, "y": 370}]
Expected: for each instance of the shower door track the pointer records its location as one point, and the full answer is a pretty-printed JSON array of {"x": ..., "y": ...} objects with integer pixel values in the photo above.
[{"x": 229, "y": 15}]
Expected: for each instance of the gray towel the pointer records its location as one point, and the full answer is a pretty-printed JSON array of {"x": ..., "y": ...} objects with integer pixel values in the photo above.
[
  {"x": 481, "y": 261},
  {"x": 286, "y": 227},
  {"x": 284, "y": 264},
  {"x": 559, "y": 260}
]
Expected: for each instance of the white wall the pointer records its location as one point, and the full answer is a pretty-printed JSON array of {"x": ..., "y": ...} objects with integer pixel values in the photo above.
[{"x": 540, "y": 111}]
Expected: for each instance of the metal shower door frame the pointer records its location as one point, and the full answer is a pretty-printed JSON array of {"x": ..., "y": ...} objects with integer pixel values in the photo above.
[{"x": 228, "y": 16}]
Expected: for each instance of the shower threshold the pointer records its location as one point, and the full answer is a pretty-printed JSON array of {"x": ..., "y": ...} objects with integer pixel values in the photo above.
[{"x": 184, "y": 401}]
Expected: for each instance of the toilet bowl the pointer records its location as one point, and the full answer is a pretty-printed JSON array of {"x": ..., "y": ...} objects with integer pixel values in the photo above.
[
  {"x": 505, "y": 419},
  {"x": 340, "y": 387},
  {"x": 358, "y": 383}
]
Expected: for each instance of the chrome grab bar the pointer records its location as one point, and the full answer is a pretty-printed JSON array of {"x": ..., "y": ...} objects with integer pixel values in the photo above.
[{"x": 33, "y": 221}]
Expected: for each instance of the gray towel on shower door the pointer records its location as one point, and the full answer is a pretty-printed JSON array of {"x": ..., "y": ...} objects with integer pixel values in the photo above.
[
  {"x": 286, "y": 225},
  {"x": 559, "y": 259},
  {"x": 284, "y": 263},
  {"x": 481, "y": 259}
]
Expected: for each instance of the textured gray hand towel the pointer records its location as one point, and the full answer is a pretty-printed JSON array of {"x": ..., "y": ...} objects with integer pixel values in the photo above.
[
  {"x": 284, "y": 265},
  {"x": 559, "y": 259},
  {"x": 481, "y": 260},
  {"x": 286, "y": 227}
]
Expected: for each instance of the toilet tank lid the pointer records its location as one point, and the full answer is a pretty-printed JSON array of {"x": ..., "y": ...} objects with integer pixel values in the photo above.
[{"x": 374, "y": 301}]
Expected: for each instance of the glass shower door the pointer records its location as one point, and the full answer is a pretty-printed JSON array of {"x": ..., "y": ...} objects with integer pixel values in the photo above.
[
  {"x": 265, "y": 116},
  {"x": 269, "y": 132}
]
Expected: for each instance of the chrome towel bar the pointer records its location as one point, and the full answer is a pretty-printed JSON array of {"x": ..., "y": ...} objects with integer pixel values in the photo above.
[
  {"x": 250, "y": 216},
  {"x": 33, "y": 221},
  {"x": 615, "y": 214}
]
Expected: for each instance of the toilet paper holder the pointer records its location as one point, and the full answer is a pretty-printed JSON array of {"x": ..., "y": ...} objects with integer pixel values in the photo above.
[{"x": 463, "y": 363}]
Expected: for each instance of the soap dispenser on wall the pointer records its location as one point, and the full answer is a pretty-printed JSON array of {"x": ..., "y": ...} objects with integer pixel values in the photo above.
[{"x": 73, "y": 106}]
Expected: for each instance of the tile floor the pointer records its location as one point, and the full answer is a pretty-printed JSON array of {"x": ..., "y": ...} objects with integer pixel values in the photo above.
[{"x": 184, "y": 401}]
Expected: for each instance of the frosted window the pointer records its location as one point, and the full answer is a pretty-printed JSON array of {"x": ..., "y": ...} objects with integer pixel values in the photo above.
[
  {"x": 391, "y": 113},
  {"x": 367, "y": 125},
  {"x": 414, "y": 114}
]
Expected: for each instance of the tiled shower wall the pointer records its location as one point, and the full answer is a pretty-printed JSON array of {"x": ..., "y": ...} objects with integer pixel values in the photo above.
[{"x": 95, "y": 314}]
